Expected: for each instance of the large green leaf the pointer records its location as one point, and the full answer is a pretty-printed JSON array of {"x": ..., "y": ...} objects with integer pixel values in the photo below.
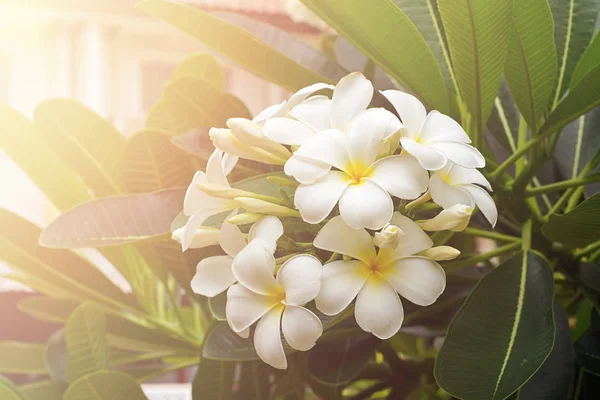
[
  {"x": 235, "y": 43},
  {"x": 201, "y": 65},
  {"x": 214, "y": 380},
  {"x": 502, "y": 334},
  {"x": 477, "y": 33},
  {"x": 589, "y": 61},
  {"x": 42, "y": 390},
  {"x": 89, "y": 144},
  {"x": 20, "y": 139},
  {"x": 254, "y": 381},
  {"x": 105, "y": 385},
  {"x": 86, "y": 341},
  {"x": 22, "y": 358},
  {"x": 150, "y": 162},
  {"x": 574, "y": 22},
  {"x": 222, "y": 344},
  {"x": 531, "y": 59},
  {"x": 577, "y": 228},
  {"x": 61, "y": 268},
  {"x": 8, "y": 391},
  {"x": 387, "y": 35},
  {"x": 114, "y": 220}
]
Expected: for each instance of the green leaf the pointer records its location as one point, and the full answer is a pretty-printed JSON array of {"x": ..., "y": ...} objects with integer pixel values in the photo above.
[
  {"x": 235, "y": 43},
  {"x": 350, "y": 58},
  {"x": 105, "y": 385},
  {"x": 201, "y": 65},
  {"x": 86, "y": 341},
  {"x": 214, "y": 380},
  {"x": 290, "y": 383},
  {"x": 22, "y": 358},
  {"x": 503, "y": 333},
  {"x": 574, "y": 25},
  {"x": 589, "y": 61},
  {"x": 217, "y": 306},
  {"x": 61, "y": 268},
  {"x": 115, "y": 220},
  {"x": 337, "y": 363},
  {"x": 254, "y": 381},
  {"x": 477, "y": 33},
  {"x": 150, "y": 162},
  {"x": 8, "y": 391},
  {"x": 21, "y": 141},
  {"x": 47, "y": 309},
  {"x": 577, "y": 228},
  {"x": 387, "y": 35},
  {"x": 42, "y": 390},
  {"x": 531, "y": 58},
  {"x": 89, "y": 144},
  {"x": 222, "y": 344}
]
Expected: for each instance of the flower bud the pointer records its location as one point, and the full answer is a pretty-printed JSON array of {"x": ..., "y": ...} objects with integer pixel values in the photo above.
[
  {"x": 441, "y": 253},
  {"x": 203, "y": 237},
  {"x": 250, "y": 133},
  {"x": 388, "y": 237},
  {"x": 245, "y": 218},
  {"x": 226, "y": 192},
  {"x": 455, "y": 218},
  {"x": 225, "y": 141},
  {"x": 423, "y": 199},
  {"x": 265, "y": 207}
]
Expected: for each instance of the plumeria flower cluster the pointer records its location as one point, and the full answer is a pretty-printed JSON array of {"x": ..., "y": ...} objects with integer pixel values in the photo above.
[{"x": 351, "y": 178}]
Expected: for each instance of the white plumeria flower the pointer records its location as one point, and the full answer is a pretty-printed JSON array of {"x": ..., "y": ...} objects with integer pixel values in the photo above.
[
  {"x": 376, "y": 278},
  {"x": 199, "y": 205},
  {"x": 454, "y": 184},
  {"x": 432, "y": 138},
  {"x": 276, "y": 303},
  {"x": 351, "y": 96},
  {"x": 214, "y": 274},
  {"x": 455, "y": 218},
  {"x": 363, "y": 184}
]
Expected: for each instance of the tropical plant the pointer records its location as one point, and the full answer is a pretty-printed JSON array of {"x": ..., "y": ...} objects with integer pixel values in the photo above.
[{"x": 519, "y": 314}]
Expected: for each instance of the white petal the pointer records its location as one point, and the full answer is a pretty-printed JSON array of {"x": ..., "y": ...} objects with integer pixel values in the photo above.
[
  {"x": 351, "y": 96},
  {"x": 244, "y": 307},
  {"x": 414, "y": 239},
  {"x": 213, "y": 276},
  {"x": 338, "y": 237},
  {"x": 366, "y": 205},
  {"x": 214, "y": 169},
  {"x": 314, "y": 112},
  {"x": 328, "y": 146},
  {"x": 303, "y": 93},
  {"x": 411, "y": 111},
  {"x": 300, "y": 277},
  {"x": 305, "y": 170},
  {"x": 276, "y": 110},
  {"x": 195, "y": 198},
  {"x": 287, "y": 131},
  {"x": 461, "y": 154},
  {"x": 203, "y": 237},
  {"x": 301, "y": 327},
  {"x": 228, "y": 162},
  {"x": 401, "y": 176},
  {"x": 253, "y": 267},
  {"x": 440, "y": 127},
  {"x": 418, "y": 279},
  {"x": 367, "y": 131},
  {"x": 341, "y": 282},
  {"x": 315, "y": 201},
  {"x": 446, "y": 195},
  {"x": 429, "y": 158},
  {"x": 484, "y": 201},
  {"x": 378, "y": 309},
  {"x": 458, "y": 175},
  {"x": 190, "y": 229},
  {"x": 268, "y": 229},
  {"x": 231, "y": 239},
  {"x": 267, "y": 339}
]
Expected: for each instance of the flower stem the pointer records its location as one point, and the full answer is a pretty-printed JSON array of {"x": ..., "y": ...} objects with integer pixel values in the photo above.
[
  {"x": 588, "y": 249},
  {"x": 518, "y": 154},
  {"x": 563, "y": 185},
  {"x": 456, "y": 265},
  {"x": 490, "y": 235}
]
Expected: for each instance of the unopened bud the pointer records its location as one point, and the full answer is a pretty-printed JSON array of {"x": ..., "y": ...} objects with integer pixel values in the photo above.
[
  {"x": 388, "y": 237},
  {"x": 251, "y": 133},
  {"x": 441, "y": 253},
  {"x": 455, "y": 218},
  {"x": 225, "y": 141},
  {"x": 265, "y": 207},
  {"x": 226, "y": 192},
  {"x": 203, "y": 237},
  {"x": 245, "y": 218},
  {"x": 281, "y": 181}
]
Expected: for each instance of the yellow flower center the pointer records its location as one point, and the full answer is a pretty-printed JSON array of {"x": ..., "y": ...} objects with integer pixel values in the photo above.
[{"x": 357, "y": 171}]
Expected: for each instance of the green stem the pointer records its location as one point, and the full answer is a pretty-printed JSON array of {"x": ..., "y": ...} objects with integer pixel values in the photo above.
[
  {"x": 521, "y": 140},
  {"x": 587, "y": 250},
  {"x": 526, "y": 237},
  {"x": 455, "y": 265},
  {"x": 490, "y": 235},
  {"x": 574, "y": 199},
  {"x": 562, "y": 185},
  {"x": 518, "y": 154}
]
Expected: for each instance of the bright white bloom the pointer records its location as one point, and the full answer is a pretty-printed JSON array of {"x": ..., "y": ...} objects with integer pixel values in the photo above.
[
  {"x": 376, "y": 278},
  {"x": 276, "y": 303},
  {"x": 199, "y": 205},
  {"x": 455, "y": 218},
  {"x": 432, "y": 138},
  {"x": 214, "y": 274},
  {"x": 388, "y": 237},
  {"x": 458, "y": 185},
  {"x": 363, "y": 184}
]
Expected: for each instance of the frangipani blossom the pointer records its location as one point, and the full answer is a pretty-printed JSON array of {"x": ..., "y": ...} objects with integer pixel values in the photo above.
[
  {"x": 432, "y": 138},
  {"x": 454, "y": 184},
  {"x": 455, "y": 218},
  {"x": 275, "y": 302},
  {"x": 363, "y": 184},
  {"x": 376, "y": 279},
  {"x": 214, "y": 274},
  {"x": 199, "y": 205}
]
